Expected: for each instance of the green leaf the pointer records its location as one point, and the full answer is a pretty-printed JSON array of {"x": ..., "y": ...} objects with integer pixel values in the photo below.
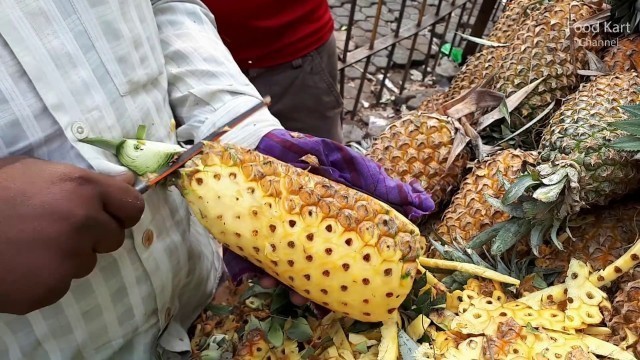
[
  {"x": 420, "y": 282},
  {"x": 515, "y": 191},
  {"x": 539, "y": 282},
  {"x": 485, "y": 236},
  {"x": 279, "y": 298},
  {"x": 253, "y": 323},
  {"x": 549, "y": 193},
  {"x": 275, "y": 334},
  {"x": 536, "y": 209},
  {"x": 509, "y": 235},
  {"x": 632, "y": 110},
  {"x": 531, "y": 329},
  {"x": 359, "y": 326},
  {"x": 217, "y": 309},
  {"x": 253, "y": 290},
  {"x": 630, "y": 126},
  {"x": 538, "y": 234},
  {"x": 300, "y": 330},
  {"x": 513, "y": 210},
  {"x": 626, "y": 143},
  {"x": 554, "y": 233},
  {"x": 424, "y": 298},
  {"x": 361, "y": 348},
  {"x": 504, "y": 110}
]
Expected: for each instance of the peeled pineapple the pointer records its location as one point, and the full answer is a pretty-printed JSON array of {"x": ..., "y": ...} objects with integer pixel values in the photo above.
[{"x": 336, "y": 246}]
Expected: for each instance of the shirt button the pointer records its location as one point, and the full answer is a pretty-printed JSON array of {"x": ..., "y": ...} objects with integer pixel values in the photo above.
[
  {"x": 79, "y": 130},
  {"x": 147, "y": 238}
]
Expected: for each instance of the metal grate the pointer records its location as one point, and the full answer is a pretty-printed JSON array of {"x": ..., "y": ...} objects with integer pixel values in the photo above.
[{"x": 430, "y": 28}]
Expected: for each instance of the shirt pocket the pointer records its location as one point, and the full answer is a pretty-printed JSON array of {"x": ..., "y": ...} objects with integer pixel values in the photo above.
[{"x": 126, "y": 38}]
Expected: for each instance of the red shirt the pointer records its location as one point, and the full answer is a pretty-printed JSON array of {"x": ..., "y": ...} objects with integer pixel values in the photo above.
[{"x": 263, "y": 33}]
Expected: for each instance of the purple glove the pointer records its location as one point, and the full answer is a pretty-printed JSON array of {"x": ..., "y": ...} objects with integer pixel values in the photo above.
[{"x": 343, "y": 165}]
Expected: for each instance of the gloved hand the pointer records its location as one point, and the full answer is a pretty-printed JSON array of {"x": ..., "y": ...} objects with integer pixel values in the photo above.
[{"x": 340, "y": 164}]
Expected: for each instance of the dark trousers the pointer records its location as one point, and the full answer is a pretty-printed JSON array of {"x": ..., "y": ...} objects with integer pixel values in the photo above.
[{"x": 304, "y": 93}]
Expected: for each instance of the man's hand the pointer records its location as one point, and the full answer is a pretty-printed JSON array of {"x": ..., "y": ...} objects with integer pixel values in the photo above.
[{"x": 54, "y": 220}]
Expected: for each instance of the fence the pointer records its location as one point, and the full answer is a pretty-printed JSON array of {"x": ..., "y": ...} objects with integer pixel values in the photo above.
[{"x": 430, "y": 28}]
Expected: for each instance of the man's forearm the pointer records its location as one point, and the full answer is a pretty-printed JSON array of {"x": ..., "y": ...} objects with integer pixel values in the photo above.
[{"x": 206, "y": 87}]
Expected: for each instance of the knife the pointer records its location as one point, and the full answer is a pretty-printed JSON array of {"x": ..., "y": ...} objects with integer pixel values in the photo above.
[{"x": 194, "y": 150}]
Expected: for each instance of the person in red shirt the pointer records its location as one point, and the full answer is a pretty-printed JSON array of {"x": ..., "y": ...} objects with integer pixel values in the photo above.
[{"x": 287, "y": 50}]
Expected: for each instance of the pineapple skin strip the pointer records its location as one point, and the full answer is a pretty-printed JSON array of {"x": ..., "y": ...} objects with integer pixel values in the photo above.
[
  {"x": 468, "y": 268},
  {"x": 600, "y": 278}
]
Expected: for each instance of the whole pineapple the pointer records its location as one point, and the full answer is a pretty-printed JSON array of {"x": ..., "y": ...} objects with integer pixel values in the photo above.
[
  {"x": 576, "y": 167},
  {"x": 600, "y": 236},
  {"x": 469, "y": 212},
  {"x": 545, "y": 48},
  {"x": 417, "y": 147},
  {"x": 624, "y": 55},
  {"x": 340, "y": 248},
  {"x": 483, "y": 63}
]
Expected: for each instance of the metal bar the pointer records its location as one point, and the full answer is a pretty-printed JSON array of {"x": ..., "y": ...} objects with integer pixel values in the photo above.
[
  {"x": 384, "y": 42},
  {"x": 473, "y": 8},
  {"x": 372, "y": 43},
  {"x": 345, "y": 51},
  {"x": 423, "y": 7},
  {"x": 429, "y": 47},
  {"x": 479, "y": 26},
  {"x": 455, "y": 34},
  {"x": 396, "y": 34}
]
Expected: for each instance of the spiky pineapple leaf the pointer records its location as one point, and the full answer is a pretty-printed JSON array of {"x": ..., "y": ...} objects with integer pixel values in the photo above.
[
  {"x": 276, "y": 334},
  {"x": 300, "y": 330},
  {"x": 219, "y": 309},
  {"x": 518, "y": 187},
  {"x": 513, "y": 210},
  {"x": 554, "y": 233},
  {"x": 509, "y": 235},
  {"x": 485, "y": 236},
  {"x": 538, "y": 234},
  {"x": 632, "y": 110},
  {"x": 626, "y": 143},
  {"x": 549, "y": 193},
  {"x": 630, "y": 126}
]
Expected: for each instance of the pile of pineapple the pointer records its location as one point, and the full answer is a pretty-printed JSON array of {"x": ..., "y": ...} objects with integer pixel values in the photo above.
[{"x": 532, "y": 251}]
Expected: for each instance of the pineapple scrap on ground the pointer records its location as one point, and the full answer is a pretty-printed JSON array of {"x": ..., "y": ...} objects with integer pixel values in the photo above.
[
  {"x": 576, "y": 167},
  {"x": 598, "y": 237}
]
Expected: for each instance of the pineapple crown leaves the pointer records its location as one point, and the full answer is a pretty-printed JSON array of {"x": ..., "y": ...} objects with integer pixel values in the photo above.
[
  {"x": 631, "y": 126},
  {"x": 536, "y": 207},
  {"x": 625, "y": 12}
]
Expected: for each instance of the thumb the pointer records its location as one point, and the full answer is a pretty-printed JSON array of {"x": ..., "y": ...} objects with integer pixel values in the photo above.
[{"x": 127, "y": 177}]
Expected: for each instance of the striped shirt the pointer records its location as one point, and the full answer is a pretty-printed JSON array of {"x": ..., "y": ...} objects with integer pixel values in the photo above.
[{"x": 76, "y": 68}]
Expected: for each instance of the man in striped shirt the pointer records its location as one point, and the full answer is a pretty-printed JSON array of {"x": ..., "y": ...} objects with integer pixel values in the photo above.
[{"x": 89, "y": 269}]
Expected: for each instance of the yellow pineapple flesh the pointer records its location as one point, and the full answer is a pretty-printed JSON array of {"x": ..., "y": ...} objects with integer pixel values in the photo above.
[
  {"x": 417, "y": 147},
  {"x": 469, "y": 212},
  {"x": 340, "y": 248}
]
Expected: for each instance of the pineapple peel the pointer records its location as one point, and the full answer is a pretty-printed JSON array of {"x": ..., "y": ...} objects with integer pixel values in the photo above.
[
  {"x": 468, "y": 268},
  {"x": 338, "y": 247}
]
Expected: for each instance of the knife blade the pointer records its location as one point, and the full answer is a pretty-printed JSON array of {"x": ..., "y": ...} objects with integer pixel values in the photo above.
[{"x": 194, "y": 150}]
